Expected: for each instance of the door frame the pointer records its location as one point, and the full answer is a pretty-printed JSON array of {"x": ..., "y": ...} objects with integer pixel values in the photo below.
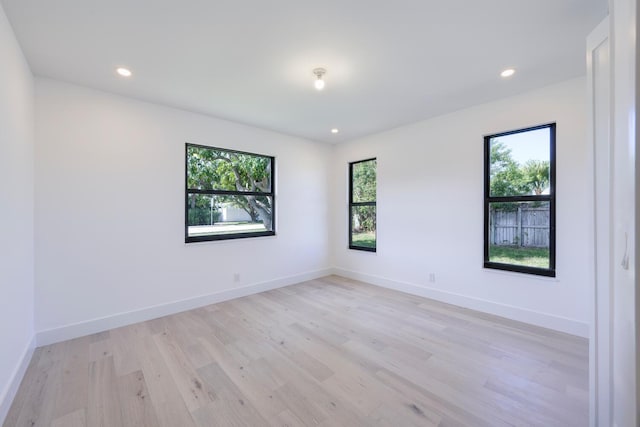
[{"x": 600, "y": 342}]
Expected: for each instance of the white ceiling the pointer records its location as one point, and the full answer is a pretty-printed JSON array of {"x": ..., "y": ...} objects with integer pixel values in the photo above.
[{"x": 389, "y": 62}]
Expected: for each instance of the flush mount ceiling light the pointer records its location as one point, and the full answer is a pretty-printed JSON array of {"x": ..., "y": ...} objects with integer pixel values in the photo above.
[
  {"x": 508, "y": 72},
  {"x": 124, "y": 72},
  {"x": 319, "y": 73},
  {"x": 334, "y": 130}
]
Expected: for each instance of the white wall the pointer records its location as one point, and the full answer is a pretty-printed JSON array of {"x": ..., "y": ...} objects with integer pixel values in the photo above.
[
  {"x": 110, "y": 212},
  {"x": 436, "y": 168},
  {"x": 16, "y": 213}
]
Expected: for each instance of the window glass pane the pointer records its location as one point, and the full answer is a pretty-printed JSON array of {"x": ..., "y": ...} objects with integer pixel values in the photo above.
[
  {"x": 216, "y": 169},
  {"x": 363, "y": 226},
  {"x": 519, "y": 233},
  {"x": 364, "y": 181},
  {"x": 519, "y": 163},
  {"x": 219, "y": 215}
]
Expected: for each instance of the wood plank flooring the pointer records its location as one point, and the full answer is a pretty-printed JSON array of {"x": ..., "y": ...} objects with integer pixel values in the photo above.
[{"x": 328, "y": 352}]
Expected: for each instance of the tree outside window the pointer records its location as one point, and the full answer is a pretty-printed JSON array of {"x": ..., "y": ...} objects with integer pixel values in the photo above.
[
  {"x": 520, "y": 200},
  {"x": 229, "y": 194},
  {"x": 362, "y": 205}
]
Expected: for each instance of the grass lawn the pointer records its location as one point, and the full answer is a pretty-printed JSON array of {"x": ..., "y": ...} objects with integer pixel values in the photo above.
[
  {"x": 531, "y": 257},
  {"x": 365, "y": 240}
]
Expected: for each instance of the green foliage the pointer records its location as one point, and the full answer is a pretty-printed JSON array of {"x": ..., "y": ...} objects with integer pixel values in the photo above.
[
  {"x": 214, "y": 169},
  {"x": 508, "y": 178},
  {"x": 364, "y": 181},
  {"x": 364, "y": 218},
  {"x": 203, "y": 216},
  {"x": 536, "y": 173},
  {"x": 200, "y": 211},
  {"x": 364, "y": 190}
]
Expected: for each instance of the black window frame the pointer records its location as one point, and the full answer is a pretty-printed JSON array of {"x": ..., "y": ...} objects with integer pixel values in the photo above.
[
  {"x": 353, "y": 204},
  {"x": 550, "y": 198},
  {"x": 187, "y": 191}
]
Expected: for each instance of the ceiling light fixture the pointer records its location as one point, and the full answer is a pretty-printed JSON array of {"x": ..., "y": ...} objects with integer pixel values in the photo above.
[
  {"x": 124, "y": 72},
  {"x": 508, "y": 72},
  {"x": 334, "y": 130},
  {"x": 319, "y": 73}
]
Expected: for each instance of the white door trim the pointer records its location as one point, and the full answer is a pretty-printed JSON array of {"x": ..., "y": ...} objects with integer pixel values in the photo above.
[{"x": 599, "y": 74}]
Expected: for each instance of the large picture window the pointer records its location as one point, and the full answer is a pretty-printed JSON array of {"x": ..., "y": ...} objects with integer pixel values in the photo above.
[
  {"x": 228, "y": 194},
  {"x": 362, "y": 205},
  {"x": 519, "y": 200}
]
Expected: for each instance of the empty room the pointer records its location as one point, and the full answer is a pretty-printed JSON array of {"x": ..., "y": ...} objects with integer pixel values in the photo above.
[{"x": 296, "y": 213}]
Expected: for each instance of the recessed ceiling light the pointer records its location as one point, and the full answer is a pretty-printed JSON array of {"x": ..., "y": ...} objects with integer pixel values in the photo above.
[
  {"x": 508, "y": 72},
  {"x": 124, "y": 72},
  {"x": 334, "y": 130}
]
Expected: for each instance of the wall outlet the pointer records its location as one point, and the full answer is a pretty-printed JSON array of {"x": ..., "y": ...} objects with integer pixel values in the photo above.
[
  {"x": 236, "y": 277},
  {"x": 432, "y": 277}
]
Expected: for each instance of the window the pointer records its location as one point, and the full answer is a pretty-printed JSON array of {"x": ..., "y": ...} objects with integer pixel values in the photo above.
[
  {"x": 519, "y": 200},
  {"x": 362, "y": 205},
  {"x": 228, "y": 194}
]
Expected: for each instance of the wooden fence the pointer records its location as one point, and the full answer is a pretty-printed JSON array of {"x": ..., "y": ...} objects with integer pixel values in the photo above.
[{"x": 528, "y": 226}]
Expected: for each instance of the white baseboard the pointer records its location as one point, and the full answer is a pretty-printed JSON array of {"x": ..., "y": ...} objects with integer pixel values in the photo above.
[
  {"x": 9, "y": 393},
  {"x": 537, "y": 318},
  {"x": 93, "y": 326}
]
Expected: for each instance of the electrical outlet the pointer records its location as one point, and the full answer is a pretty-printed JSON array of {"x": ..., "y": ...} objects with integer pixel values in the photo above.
[
  {"x": 432, "y": 277},
  {"x": 236, "y": 277}
]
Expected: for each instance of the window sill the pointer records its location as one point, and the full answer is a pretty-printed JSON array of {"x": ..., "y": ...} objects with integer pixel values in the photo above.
[
  {"x": 361, "y": 249},
  {"x": 228, "y": 240},
  {"x": 522, "y": 275}
]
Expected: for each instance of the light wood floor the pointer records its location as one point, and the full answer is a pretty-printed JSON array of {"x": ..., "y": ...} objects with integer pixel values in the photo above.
[{"x": 329, "y": 352}]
